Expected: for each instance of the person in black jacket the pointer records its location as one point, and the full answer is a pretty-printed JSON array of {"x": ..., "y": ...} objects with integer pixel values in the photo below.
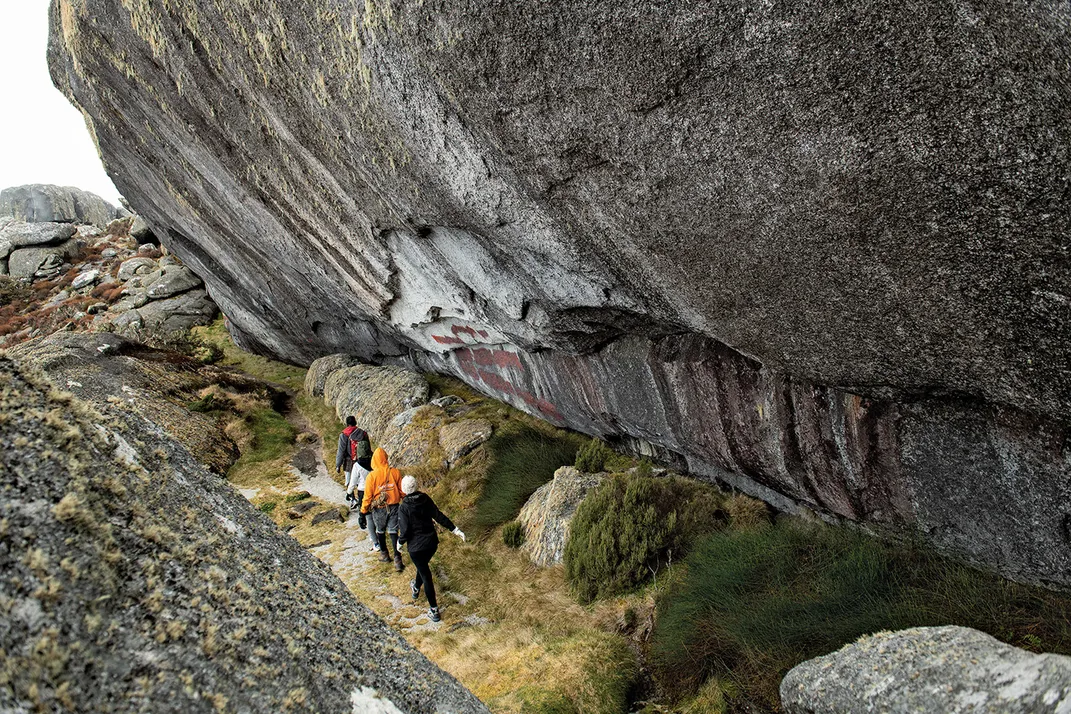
[{"x": 416, "y": 516}]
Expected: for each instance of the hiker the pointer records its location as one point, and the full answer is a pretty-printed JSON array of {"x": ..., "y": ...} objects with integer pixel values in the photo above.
[
  {"x": 415, "y": 527},
  {"x": 382, "y": 493},
  {"x": 357, "y": 479},
  {"x": 353, "y": 446}
]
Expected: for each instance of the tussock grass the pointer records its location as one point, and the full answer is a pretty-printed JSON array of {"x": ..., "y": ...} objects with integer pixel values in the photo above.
[
  {"x": 263, "y": 368},
  {"x": 755, "y": 602},
  {"x": 523, "y": 458}
]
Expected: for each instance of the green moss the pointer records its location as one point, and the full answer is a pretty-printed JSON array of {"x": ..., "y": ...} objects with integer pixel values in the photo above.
[
  {"x": 523, "y": 459},
  {"x": 263, "y": 368},
  {"x": 268, "y": 507}
]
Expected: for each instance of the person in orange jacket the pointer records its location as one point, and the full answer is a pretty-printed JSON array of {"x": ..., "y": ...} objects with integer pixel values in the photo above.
[{"x": 382, "y": 494}]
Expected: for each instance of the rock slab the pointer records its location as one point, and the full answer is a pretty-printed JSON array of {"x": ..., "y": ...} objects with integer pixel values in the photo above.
[
  {"x": 952, "y": 670},
  {"x": 136, "y": 580},
  {"x": 810, "y": 250}
]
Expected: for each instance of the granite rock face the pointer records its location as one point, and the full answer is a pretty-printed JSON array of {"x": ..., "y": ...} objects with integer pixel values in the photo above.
[
  {"x": 136, "y": 580},
  {"x": 816, "y": 251},
  {"x": 953, "y": 670},
  {"x": 549, "y": 511},
  {"x": 42, "y": 203},
  {"x": 374, "y": 395}
]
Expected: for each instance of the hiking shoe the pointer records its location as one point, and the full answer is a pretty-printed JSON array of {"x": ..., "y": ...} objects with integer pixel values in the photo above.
[
  {"x": 398, "y": 564},
  {"x": 433, "y": 614},
  {"x": 383, "y": 557},
  {"x": 414, "y": 589},
  {"x": 374, "y": 548}
]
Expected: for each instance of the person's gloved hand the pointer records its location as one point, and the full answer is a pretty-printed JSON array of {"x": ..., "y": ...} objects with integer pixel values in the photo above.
[
  {"x": 459, "y": 534},
  {"x": 362, "y": 521}
]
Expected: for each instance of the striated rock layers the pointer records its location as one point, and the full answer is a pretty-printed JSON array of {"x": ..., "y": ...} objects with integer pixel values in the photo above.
[
  {"x": 136, "y": 580},
  {"x": 817, "y": 251}
]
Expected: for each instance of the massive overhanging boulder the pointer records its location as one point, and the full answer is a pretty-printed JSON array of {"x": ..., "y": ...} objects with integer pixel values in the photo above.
[{"x": 817, "y": 251}]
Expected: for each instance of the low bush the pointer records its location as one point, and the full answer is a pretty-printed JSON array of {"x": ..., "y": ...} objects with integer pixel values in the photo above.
[
  {"x": 756, "y": 602},
  {"x": 631, "y": 526},
  {"x": 268, "y": 507},
  {"x": 296, "y": 497},
  {"x": 513, "y": 534},
  {"x": 592, "y": 458}
]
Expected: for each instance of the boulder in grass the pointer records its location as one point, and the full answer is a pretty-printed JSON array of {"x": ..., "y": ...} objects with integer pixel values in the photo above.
[
  {"x": 461, "y": 437},
  {"x": 952, "y": 670},
  {"x": 547, "y": 515},
  {"x": 324, "y": 367},
  {"x": 375, "y": 395}
]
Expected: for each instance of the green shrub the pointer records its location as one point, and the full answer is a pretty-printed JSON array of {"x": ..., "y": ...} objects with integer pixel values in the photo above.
[
  {"x": 523, "y": 459},
  {"x": 592, "y": 458},
  {"x": 631, "y": 526},
  {"x": 299, "y": 496},
  {"x": 758, "y": 601},
  {"x": 513, "y": 534},
  {"x": 268, "y": 507}
]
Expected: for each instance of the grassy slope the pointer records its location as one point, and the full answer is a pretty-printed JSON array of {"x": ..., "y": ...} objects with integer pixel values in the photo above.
[{"x": 511, "y": 632}]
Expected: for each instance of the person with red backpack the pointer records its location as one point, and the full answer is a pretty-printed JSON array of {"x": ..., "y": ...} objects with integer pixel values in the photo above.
[{"x": 354, "y": 456}]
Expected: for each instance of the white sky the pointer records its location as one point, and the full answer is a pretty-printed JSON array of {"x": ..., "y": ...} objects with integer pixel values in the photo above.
[{"x": 43, "y": 139}]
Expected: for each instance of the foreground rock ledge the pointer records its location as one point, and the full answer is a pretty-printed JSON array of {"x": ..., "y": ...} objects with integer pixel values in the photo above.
[
  {"x": 135, "y": 580},
  {"x": 952, "y": 670}
]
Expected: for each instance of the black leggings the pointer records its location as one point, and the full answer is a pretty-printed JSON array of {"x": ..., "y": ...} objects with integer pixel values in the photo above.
[{"x": 420, "y": 559}]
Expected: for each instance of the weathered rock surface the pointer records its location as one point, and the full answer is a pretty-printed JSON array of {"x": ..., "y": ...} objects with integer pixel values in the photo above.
[
  {"x": 17, "y": 234},
  {"x": 412, "y": 438},
  {"x": 374, "y": 395},
  {"x": 460, "y": 437},
  {"x": 42, "y": 203},
  {"x": 549, "y": 511},
  {"x": 135, "y": 580},
  {"x": 103, "y": 368},
  {"x": 321, "y": 369},
  {"x": 815, "y": 253},
  {"x": 27, "y": 262},
  {"x": 173, "y": 280},
  {"x": 952, "y": 670}
]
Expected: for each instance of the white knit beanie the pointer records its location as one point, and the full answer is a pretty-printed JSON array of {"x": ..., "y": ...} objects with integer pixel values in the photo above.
[{"x": 409, "y": 485}]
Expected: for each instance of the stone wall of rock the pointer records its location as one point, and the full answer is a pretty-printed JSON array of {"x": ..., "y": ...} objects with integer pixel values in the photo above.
[
  {"x": 136, "y": 580},
  {"x": 953, "y": 670},
  {"x": 43, "y": 203},
  {"x": 816, "y": 251}
]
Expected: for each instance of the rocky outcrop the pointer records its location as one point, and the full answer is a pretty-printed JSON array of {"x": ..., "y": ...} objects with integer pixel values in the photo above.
[
  {"x": 43, "y": 203},
  {"x": 460, "y": 437},
  {"x": 26, "y": 247},
  {"x": 549, "y": 511},
  {"x": 135, "y": 580},
  {"x": 818, "y": 255},
  {"x": 953, "y": 670},
  {"x": 374, "y": 395}
]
